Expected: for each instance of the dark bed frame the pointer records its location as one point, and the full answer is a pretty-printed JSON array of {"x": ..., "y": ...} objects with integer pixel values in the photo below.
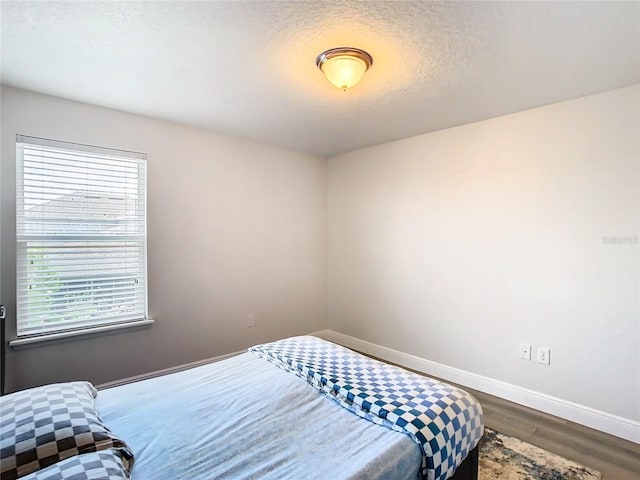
[{"x": 468, "y": 469}]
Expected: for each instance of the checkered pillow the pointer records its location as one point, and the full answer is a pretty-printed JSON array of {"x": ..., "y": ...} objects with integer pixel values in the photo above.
[
  {"x": 44, "y": 425},
  {"x": 103, "y": 465}
]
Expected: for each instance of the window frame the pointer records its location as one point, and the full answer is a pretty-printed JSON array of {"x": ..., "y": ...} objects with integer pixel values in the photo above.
[{"x": 92, "y": 324}]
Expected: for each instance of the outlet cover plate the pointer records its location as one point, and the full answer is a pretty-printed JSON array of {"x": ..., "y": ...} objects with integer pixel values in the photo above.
[
  {"x": 544, "y": 355},
  {"x": 525, "y": 351}
]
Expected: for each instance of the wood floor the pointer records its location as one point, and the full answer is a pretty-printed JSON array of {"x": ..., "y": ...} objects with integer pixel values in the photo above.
[{"x": 615, "y": 458}]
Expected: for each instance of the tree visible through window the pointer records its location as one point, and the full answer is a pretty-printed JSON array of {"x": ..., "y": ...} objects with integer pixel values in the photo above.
[{"x": 81, "y": 236}]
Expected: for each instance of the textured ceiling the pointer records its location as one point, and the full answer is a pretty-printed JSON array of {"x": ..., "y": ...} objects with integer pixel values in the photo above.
[{"x": 247, "y": 68}]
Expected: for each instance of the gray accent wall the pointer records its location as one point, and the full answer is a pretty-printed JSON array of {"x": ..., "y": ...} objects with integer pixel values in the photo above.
[{"x": 235, "y": 227}]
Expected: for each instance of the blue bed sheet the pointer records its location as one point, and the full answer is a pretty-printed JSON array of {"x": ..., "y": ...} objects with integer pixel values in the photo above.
[{"x": 244, "y": 418}]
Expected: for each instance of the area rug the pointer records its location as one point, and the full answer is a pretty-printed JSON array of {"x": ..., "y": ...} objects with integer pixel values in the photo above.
[{"x": 506, "y": 458}]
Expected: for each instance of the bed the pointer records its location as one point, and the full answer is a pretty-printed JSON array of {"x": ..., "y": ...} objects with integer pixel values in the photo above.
[{"x": 293, "y": 409}]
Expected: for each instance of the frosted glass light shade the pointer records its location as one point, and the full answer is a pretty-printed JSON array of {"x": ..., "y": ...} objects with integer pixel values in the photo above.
[
  {"x": 344, "y": 66},
  {"x": 344, "y": 71}
]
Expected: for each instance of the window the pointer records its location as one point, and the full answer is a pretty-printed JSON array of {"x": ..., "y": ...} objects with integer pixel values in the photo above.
[{"x": 81, "y": 237}]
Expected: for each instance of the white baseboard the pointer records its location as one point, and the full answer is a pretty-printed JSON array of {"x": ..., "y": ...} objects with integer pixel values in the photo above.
[
  {"x": 179, "y": 368},
  {"x": 166, "y": 371},
  {"x": 590, "y": 417}
]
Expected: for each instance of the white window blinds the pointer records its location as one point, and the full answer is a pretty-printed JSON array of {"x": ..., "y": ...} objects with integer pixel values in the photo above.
[{"x": 81, "y": 236}]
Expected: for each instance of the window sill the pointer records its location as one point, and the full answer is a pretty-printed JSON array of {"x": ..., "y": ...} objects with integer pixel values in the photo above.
[{"x": 51, "y": 338}]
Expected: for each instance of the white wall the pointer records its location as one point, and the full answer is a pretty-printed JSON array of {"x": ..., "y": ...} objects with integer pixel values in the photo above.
[
  {"x": 234, "y": 227},
  {"x": 457, "y": 245}
]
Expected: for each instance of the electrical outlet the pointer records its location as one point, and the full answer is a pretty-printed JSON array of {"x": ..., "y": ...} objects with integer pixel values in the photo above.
[
  {"x": 525, "y": 351},
  {"x": 251, "y": 320},
  {"x": 544, "y": 355}
]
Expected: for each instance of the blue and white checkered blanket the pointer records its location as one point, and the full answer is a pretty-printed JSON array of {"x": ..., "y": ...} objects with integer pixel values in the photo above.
[{"x": 445, "y": 421}]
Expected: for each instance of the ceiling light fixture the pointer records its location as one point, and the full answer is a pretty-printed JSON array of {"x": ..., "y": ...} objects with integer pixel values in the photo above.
[{"x": 344, "y": 66}]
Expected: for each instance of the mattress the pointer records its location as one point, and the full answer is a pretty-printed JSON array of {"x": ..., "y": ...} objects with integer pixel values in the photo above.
[{"x": 246, "y": 418}]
